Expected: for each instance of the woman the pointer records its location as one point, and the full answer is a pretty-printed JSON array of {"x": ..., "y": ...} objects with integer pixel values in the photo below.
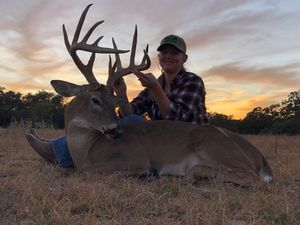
[{"x": 175, "y": 95}]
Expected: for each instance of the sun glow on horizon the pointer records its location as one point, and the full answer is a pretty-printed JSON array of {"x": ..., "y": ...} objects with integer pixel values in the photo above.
[{"x": 237, "y": 109}]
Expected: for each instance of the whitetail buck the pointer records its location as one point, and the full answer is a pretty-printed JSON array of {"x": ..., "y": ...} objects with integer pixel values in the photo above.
[{"x": 168, "y": 147}]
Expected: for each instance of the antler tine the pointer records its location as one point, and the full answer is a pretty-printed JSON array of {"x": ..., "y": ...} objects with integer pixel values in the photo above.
[
  {"x": 133, "y": 47},
  {"x": 145, "y": 64},
  {"x": 111, "y": 68},
  {"x": 146, "y": 56},
  {"x": 86, "y": 70},
  {"x": 80, "y": 24},
  {"x": 118, "y": 60},
  {"x": 90, "y": 47},
  {"x": 146, "y": 61}
]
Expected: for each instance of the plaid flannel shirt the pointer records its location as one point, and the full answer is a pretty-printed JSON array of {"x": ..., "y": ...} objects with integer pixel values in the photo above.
[{"x": 186, "y": 96}]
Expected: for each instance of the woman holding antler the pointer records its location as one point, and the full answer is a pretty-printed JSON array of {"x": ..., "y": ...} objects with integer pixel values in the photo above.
[{"x": 175, "y": 95}]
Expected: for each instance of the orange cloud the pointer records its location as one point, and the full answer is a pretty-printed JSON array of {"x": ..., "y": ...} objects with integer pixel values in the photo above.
[
  {"x": 287, "y": 75},
  {"x": 234, "y": 89}
]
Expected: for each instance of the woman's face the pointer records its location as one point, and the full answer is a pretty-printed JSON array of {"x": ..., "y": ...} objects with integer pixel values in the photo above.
[{"x": 171, "y": 59}]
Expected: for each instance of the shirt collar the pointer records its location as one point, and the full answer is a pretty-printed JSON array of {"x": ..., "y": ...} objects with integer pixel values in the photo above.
[{"x": 179, "y": 76}]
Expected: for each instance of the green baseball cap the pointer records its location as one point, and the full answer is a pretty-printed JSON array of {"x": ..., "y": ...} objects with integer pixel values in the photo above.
[{"x": 173, "y": 40}]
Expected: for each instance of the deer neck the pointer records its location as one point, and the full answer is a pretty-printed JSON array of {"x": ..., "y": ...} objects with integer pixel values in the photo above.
[{"x": 81, "y": 132}]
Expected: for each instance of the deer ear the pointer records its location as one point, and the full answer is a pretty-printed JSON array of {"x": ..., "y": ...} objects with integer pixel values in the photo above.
[{"x": 65, "y": 88}]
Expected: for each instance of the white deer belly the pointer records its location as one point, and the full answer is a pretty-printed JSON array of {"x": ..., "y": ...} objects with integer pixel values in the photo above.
[{"x": 182, "y": 167}]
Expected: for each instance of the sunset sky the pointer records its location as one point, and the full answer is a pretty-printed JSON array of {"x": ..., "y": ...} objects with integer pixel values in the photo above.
[{"x": 246, "y": 51}]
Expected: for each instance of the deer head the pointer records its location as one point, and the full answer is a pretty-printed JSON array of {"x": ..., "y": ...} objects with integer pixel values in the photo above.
[{"x": 94, "y": 104}]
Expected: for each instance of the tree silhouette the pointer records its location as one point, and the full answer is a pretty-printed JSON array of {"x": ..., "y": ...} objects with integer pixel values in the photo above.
[
  {"x": 42, "y": 107},
  {"x": 47, "y": 107},
  {"x": 278, "y": 118},
  {"x": 11, "y": 106},
  {"x": 291, "y": 106},
  {"x": 256, "y": 121}
]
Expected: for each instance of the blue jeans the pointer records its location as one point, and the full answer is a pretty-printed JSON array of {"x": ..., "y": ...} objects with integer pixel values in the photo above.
[{"x": 61, "y": 150}]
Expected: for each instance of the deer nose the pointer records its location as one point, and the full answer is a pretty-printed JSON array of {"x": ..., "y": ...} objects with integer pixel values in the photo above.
[{"x": 112, "y": 131}]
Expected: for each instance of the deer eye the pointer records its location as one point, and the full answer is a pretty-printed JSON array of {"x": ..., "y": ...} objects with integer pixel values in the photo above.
[{"x": 96, "y": 101}]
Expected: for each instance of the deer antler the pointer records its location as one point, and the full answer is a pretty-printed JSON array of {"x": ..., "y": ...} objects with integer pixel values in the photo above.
[
  {"x": 116, "y": 71},
  {"x": 86, "y": 70}
]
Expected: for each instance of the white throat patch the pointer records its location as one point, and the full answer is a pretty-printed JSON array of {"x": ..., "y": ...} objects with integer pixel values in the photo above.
[{"x": 81, "y": 122}]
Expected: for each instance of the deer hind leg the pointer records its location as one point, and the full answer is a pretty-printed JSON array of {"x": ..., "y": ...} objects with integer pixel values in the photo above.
[
  {"x": 199, "y": 172},
  {"x": 245, "y": 179}
]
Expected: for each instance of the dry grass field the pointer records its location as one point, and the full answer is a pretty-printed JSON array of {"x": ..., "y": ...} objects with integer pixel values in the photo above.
[{"x": 33, "y": 192}]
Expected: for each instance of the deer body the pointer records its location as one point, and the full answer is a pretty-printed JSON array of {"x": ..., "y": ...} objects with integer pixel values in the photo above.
[
  {"x": 96, "y": 142},
  {"x": 169, "y": 147}
]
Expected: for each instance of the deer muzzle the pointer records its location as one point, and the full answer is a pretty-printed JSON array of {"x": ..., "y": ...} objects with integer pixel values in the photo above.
[{"x": 112, "y": 132}]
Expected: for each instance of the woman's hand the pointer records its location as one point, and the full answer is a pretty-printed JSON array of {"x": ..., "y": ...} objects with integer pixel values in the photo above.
[
  {"x": 120, "y": 87},
  {"x": 147, "y": 80}
]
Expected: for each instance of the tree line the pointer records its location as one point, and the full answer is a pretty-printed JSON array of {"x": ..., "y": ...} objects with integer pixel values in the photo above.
[
  {"x": 47, "y": 108},
  {"x": 281, "y": 118},
  {"x": 43, "y": 108}
]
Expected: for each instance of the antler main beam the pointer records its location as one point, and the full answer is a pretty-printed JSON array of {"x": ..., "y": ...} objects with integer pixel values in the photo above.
[
  {"x": 116, "y": 71},
  {"x": 87, "y": 70}
]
